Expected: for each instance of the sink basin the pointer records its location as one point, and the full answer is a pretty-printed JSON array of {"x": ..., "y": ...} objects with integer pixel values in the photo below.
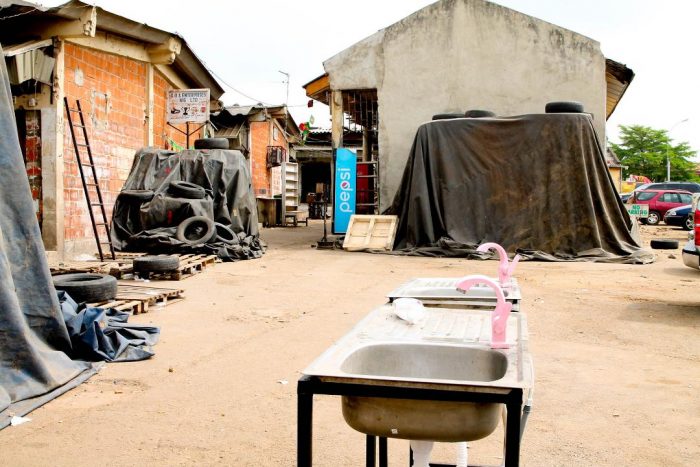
[
  {"x": 448, "y": 350},
  {"x": 442, "y": 291},
  {"x": 426, "y": 361},
  {"x": 425, "y": 420}
]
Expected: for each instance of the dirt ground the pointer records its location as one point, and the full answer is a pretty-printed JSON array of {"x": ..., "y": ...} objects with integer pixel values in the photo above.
[{"x": 616, "y": 350}]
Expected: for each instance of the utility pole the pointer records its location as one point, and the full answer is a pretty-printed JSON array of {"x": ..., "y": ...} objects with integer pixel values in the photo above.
[
  {"x": 286, "y": 102},
  {"x": 668, "y": 148}
]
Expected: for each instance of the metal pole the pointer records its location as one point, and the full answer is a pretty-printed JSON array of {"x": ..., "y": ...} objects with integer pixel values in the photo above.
[{"x": 668, "y": 147}]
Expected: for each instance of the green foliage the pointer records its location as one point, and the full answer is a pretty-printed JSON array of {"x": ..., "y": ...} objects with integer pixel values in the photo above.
[{"x": 643, "y": 150}]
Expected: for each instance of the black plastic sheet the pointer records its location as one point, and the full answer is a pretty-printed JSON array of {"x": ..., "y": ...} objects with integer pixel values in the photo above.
[
  {"x": 536, "y": 184},
  {"x": 33, "y": 335},
  {"x": 104, "y": 334},
  {"x": 150, "y": 226}
]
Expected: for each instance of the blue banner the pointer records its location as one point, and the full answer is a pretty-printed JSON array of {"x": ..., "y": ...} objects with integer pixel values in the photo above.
[{"x": 345, "y": 189}]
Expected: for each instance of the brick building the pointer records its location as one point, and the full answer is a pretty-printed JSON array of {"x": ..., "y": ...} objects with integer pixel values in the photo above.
[
  {"x": 120, "y": 71},
  {"x": 265, "y": 135}
]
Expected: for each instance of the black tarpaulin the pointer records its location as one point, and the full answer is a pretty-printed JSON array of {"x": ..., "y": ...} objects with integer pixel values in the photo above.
[
  {"x": 151, "y": 225},
  {"x": 33, "y": 335},
  {"x": 536, "y": 184}
]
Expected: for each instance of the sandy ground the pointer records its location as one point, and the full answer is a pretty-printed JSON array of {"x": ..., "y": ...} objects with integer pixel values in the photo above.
[{"x": 616, "y": 350}]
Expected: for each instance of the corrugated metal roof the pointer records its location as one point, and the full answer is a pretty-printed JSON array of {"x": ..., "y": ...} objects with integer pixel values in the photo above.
[{"x": 229, "y": 132}]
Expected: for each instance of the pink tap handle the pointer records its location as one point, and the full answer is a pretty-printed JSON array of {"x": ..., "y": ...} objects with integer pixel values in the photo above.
[
  {"x": 505, "y": 270},
  {"x": 499, "y": 321},
  {"x": 499, "y": 316}
]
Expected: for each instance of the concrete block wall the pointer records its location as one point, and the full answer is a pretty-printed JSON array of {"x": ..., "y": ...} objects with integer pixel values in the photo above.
[{"x": 112, "y": 92}]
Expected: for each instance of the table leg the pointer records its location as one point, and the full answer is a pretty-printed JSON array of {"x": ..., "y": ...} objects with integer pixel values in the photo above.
[
  {"x": 383, "y": 453},
  {"x": 371, "y": 451},
  {"x": 514, "y": 409},
  {"x": 305, "y": 404}
]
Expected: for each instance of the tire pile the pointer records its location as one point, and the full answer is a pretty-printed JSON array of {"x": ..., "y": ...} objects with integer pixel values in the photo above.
[{"x": 212, "y": 212}]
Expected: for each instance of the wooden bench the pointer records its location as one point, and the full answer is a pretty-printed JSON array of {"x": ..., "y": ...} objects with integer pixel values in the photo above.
[{"x": 292, "y": 217}]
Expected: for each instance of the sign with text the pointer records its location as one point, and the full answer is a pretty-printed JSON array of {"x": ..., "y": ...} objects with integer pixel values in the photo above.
[
  {"x": 345, "y": 189},
  {"x": 188, "y": 105},
  {"x": 639, "y": 210}
]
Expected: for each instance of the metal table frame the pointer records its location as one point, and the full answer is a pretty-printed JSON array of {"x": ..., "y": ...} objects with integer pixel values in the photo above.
[{"x": 307, "y": 386}]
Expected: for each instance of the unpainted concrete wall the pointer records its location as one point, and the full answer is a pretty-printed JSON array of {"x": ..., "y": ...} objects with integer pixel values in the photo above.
[{"x": 457, "y": 55}]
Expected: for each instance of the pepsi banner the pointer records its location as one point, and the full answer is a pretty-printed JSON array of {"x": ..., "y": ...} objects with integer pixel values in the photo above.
[{"x": 345, "y": 189}]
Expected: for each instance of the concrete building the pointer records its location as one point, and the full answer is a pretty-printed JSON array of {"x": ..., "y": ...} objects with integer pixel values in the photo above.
[
  {"x": 121, "y": 71},
  {"x": 456, "y": 55}
]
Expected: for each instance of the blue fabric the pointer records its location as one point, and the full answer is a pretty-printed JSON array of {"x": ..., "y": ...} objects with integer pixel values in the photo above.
[{"x": 103, "y": 334}]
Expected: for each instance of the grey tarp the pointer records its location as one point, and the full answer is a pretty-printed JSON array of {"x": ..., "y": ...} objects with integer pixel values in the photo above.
[
  {"x": 536, "y": 184},
  {"x": 33, "y": 335},
  {"x": 150, "y": 226}
]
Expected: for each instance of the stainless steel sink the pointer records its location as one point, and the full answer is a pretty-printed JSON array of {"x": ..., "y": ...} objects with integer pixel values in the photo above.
[
  {"x": 449, "y": 349},
  {"x": 442, "y": 292}
]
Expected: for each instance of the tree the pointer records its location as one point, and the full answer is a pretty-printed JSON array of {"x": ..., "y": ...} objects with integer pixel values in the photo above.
[{"x": 643, "y": 151}]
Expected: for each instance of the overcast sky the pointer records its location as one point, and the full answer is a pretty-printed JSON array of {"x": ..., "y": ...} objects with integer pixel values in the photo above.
[{"x": 247, "y": 43}]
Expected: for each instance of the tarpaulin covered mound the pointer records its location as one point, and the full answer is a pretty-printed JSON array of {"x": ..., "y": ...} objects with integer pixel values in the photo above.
[
  {"x": 33, "y": 336},
  {"x": 536, "y": 184},
  {"x": 150, "y": 224}
]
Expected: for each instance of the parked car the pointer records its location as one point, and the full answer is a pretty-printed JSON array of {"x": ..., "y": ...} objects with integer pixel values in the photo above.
[
  {"x": 691, "y": 250},
  {"x": 681, "y": 216},
  {"x": 692, "y": 187},
  {"x": 625, "y": 196},
  {"x": 659, "y": 202}
]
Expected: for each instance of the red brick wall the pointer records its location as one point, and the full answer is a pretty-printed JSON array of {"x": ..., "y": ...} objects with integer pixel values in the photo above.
[
  {"x": 163, "y": 134},
  {"x": 259, "y": 140},
  {"x": 261, "y": 137},
  {"x": 112, "y": 93}
]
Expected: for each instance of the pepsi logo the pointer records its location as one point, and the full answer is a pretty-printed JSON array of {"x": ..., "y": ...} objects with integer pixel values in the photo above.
[{"x": 345, "y": 185}]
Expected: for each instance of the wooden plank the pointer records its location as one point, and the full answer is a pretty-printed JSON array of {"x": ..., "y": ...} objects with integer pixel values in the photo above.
[
  {"x": 132, "y": 306},
  {"x": 370, "y": 232}
]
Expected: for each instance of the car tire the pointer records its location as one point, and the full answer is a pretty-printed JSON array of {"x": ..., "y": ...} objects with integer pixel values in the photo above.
[
  {"x": 211, "y": 143},
  {"x": 479, "y": 114},
  {"x": 140, "y": 195},
  {"x": 156, "y": 263},
  {"x": 87, "y": 287},
  {"x": 188, "y": 190},
  {"x": 688, "y": 223},
  {"x": 664, "y": 244},
  {"x": 563, "y": 107},
  {"x": 225, "y": 235},
  {"x": 653, "y": 218},
  {"x": 195, "y": 230},
  {"x": 447, "y": 116}
]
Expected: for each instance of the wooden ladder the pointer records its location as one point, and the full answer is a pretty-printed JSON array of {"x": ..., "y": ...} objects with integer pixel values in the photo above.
[{"x": 85, "y": 145}]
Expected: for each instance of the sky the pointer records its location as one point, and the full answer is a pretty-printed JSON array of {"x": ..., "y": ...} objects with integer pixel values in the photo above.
[{"x": 247, "y": 43}]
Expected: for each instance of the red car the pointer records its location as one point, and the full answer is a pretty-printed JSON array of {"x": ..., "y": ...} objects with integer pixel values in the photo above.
[{"x": 660, "y": 201}]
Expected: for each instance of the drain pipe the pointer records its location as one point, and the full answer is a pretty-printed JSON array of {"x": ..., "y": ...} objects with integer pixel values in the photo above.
[
  {"x": 421, "y": 452},
  {"x": 462, "y": 454}
]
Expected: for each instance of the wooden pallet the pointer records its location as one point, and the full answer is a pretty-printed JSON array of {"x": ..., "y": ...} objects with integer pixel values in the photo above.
[
  {"x": 132, "y": 306},
  {"x": 189, "y": 266},
  {"x": 127, "y": 255},
  {"x": 149, "y": 296},
  {"x": 118, "y": 269}
]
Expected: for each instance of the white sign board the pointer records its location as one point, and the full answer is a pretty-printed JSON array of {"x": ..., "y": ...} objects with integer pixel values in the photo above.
[
  {"x": 639, "y": 210},
  {"x": 188, "y": 105}
]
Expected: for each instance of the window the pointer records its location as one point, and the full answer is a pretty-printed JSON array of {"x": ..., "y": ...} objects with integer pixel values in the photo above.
[
  {"x": 645, "y": 195},
  {"x": 686, "y": 199},
  {"x": 275, "y": 133},
  {"x": 670, "y": 198}
]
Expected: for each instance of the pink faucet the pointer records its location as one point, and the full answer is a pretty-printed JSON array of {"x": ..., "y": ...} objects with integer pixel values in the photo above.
[
  {"x": 505, "y": 270},
  {"x": 499, "y": 316}
]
